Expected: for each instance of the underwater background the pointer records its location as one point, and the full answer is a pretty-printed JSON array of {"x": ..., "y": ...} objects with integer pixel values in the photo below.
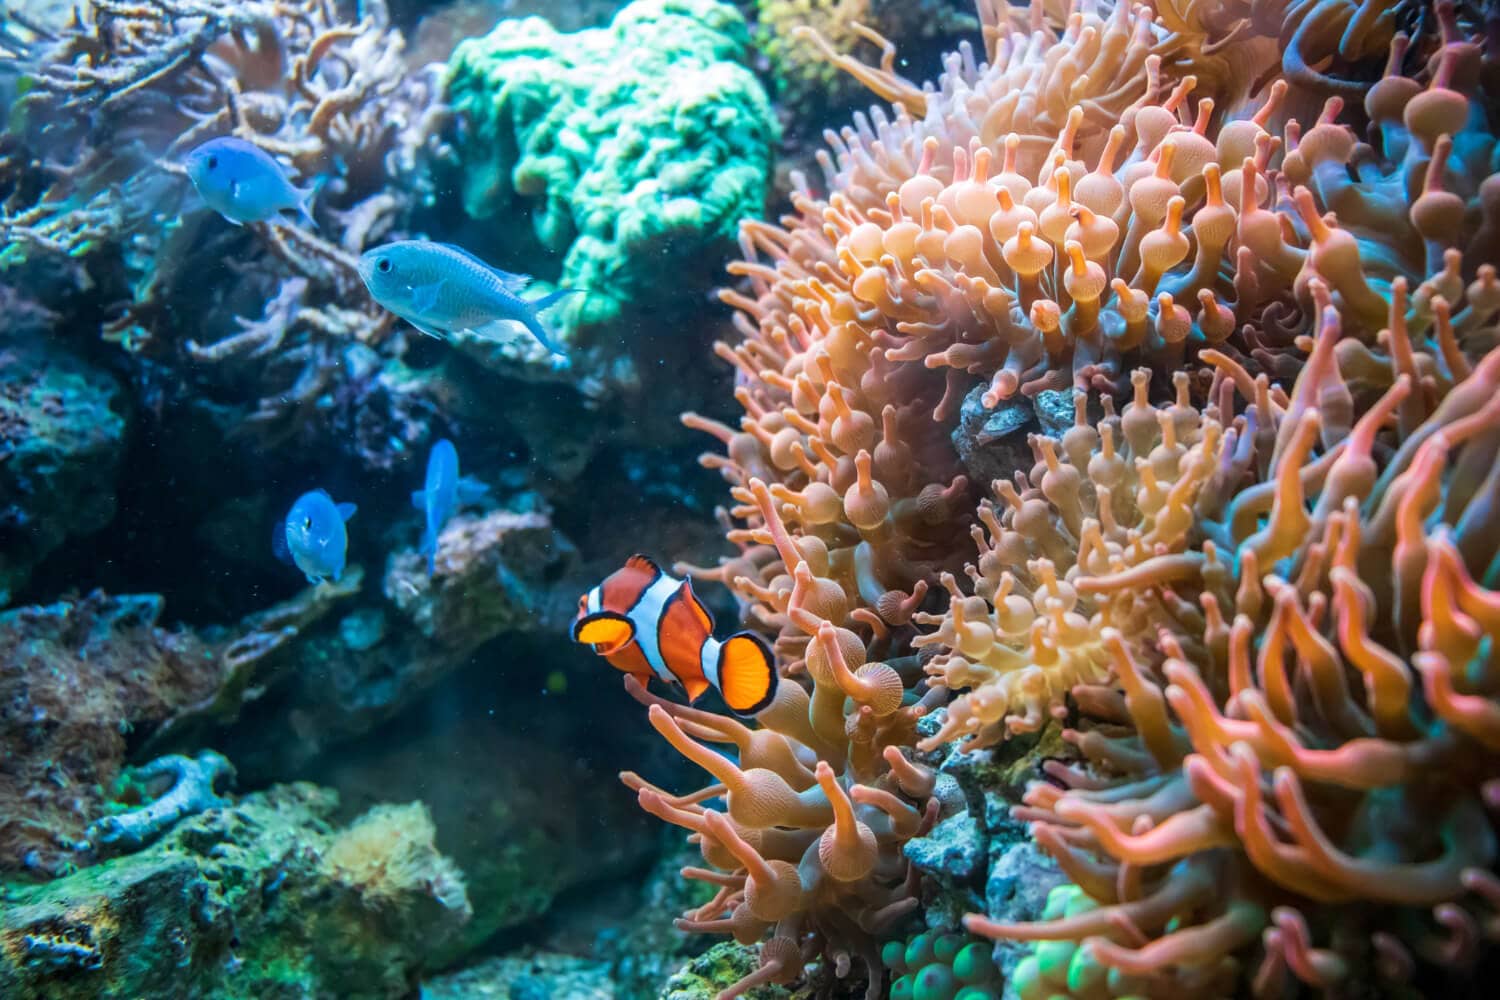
[{"x": 1090, "y": 587}]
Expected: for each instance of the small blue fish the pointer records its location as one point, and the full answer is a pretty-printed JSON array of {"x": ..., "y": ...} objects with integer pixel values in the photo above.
[
  {"x": 313, "y": 536},
  {"x": 444, "y": 493},
  {"x": 241, "y": 181},
  {"x": 442, "y": 290}
]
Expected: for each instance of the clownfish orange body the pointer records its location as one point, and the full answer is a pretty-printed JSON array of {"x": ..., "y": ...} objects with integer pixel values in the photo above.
[{"x": 648, "y": 623}]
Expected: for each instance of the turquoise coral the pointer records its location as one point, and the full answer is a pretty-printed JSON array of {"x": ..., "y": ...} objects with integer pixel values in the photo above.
[
  {"x": 942, "y": 965},
  {"x": 637, "y": 148}
]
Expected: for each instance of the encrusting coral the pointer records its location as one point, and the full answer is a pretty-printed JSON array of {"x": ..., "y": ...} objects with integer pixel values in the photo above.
[
  {"x": 634, "y": 149},
  {"x": 1259, "y": 590}
]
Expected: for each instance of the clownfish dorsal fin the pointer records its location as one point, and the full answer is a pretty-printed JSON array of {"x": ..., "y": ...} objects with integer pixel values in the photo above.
[
  {"x": 644, "y": 564},
  {"x": 699, "y": 608}
]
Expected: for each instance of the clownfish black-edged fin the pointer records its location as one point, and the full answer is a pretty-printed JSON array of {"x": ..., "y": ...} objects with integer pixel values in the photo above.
[
  {"x": 603, "y": 628},
  {"x": 644, "y": 564},
  {"x": 699, "y": 608},
  {"x": 747, "y": 673}
]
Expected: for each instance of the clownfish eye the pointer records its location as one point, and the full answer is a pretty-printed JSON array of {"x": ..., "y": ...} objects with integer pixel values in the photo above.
[
  {"x": 213, "y": 162},
  {"x": 383, "y": 265}
]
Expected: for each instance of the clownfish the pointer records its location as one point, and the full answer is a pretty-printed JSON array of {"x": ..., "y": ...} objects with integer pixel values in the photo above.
[{"x": 649, "y": 623}]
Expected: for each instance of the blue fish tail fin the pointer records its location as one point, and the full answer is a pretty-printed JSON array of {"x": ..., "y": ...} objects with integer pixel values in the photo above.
[
  {"x": 305, "y": 196},
  {"x": 532, "y": 320}
]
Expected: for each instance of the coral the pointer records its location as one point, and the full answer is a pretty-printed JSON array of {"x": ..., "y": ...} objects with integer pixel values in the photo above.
[
  {"x": 389, "y": 853},
  {"x": 635, "y": 149},
  {"x": 62, "y": 433},
  {"x": 1224, "y": 584},
  {"x": 194, "y": 788},
  {"x": 807, "y": 85},
  {"x": 521, "y": 844},
  {"x": 90, "y": 175},
  {"x": 817, "y": 807},
  {"x": 1279, "y": 629},
  {"x": 716, "y": 970},
  {"x": 236, "y": 902},
  {"x": 937, "y": 965}
]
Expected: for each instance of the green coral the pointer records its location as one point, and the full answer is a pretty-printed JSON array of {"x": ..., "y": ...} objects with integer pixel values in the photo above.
[
  {"x": 942, "y": 965},
  {"x": 636, "y": 149},
  {"x": 251, "y": 901},
  {"x": 1057, "y": 970},
  {"x": 717, "y": 969}
]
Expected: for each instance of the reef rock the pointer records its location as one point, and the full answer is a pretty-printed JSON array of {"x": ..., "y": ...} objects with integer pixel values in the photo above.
[
  {"x": 61, "y": 436},
  {"x": 635, "y": 148},
  {"x": 261, "y": 899},
  {"x": 532, "y": 976},
  {"x": 494, "y": 784},
  {"x": 78, "y": 677}
]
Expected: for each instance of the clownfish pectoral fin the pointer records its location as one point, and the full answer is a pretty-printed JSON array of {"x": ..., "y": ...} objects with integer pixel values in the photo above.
[
  {"x": 604, "y": 628},
  {"x": 747, "y": 673},
  {"x": 695, "y": 687}
]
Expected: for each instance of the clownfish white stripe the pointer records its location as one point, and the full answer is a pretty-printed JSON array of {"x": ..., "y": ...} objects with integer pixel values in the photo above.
[
  {"x": 708, "y": 661},
  {"x": 646, "y": 617}
]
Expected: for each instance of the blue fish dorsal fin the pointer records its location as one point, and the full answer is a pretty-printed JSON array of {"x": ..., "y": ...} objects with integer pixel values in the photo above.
[
  {"x": 346, "y": 510},
  {"x": 320, "y": 491},
  {"x": 514, "y": 283}
]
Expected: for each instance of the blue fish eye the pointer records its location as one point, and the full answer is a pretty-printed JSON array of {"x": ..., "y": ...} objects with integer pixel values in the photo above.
[
  {"x": 383, "y": 265},
  {"x": 307, "y": 524},
  {"x": 213, "y": 161}
]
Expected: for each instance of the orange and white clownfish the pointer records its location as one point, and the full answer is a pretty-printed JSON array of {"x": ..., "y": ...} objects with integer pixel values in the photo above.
[{"x": 649, "y": 623}]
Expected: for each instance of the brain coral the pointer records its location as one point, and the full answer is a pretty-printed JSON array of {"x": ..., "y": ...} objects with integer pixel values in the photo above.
[
  {"x": 1256, "y": 576},
  {"x": 636, "y": 148}
]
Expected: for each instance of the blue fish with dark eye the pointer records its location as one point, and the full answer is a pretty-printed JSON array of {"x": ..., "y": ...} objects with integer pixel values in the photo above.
[
  {"x": 313, "y": 536},
  {"x": 243, "y": 183},
  {"x": 443, "y": 494},
  {"x": 443, "y": 290}
]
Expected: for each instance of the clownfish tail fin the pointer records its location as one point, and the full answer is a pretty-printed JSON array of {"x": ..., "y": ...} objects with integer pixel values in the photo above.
[{"x": 747, "y": 673}]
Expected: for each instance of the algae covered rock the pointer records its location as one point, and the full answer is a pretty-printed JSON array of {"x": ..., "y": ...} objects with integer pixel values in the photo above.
[
  {"x": 264, "y": 899},
  {"x": 80, "y": 676},
  {"x": 61, "y": 438},
  {"x": 719, "y": 968},
  {"x": 635, "y": 149},
  {"x": 530, "y": 976}
]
